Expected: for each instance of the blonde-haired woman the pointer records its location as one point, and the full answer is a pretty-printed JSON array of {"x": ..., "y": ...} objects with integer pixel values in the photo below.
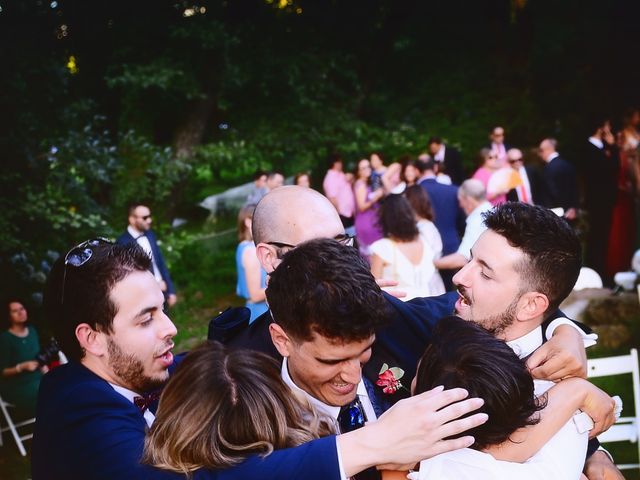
[
  {"x": 252, "y": 279},
  {"x": 222, "y": 406}
]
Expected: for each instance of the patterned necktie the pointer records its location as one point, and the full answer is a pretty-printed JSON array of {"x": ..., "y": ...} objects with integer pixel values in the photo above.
[{"x": 352, "y": 416}]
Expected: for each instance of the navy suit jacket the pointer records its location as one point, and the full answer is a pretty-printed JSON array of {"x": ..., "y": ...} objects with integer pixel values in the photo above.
[
  {"x": 86, "y": 430},
  {"x": 449, "y": 217},
  {"x": 157, "y": 256},
  {"x": 399, "y": 344},
  {"x": 561, "y": 183}
]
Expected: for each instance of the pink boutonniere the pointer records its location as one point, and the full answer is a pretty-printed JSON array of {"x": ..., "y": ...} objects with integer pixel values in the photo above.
[{"x": 389, "y": 379}]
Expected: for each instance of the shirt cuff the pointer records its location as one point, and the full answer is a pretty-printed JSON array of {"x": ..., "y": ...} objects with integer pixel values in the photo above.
[
  {"x": 343, "y": 475},
  {"x": 589, "y": 339}
]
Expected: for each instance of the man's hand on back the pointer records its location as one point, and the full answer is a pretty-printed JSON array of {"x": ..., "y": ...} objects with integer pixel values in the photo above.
[{"x": 561, "y": 357}]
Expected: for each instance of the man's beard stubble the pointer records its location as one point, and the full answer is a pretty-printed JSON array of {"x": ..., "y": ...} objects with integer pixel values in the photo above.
[{"x": 131, "y": 370}]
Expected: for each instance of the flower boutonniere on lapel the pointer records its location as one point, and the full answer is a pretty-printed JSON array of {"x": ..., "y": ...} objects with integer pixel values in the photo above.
[{"x": 389, "y": 379}]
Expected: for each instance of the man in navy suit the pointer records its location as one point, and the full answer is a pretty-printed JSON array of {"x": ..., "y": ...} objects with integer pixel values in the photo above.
[
  {"x": 447, "y": 156},
  {"x": 139, "y": 230},
  {"x": 560, "y": 180},
  {"x": 107, "y": 311},
  {"x": 448, "y": 216}
]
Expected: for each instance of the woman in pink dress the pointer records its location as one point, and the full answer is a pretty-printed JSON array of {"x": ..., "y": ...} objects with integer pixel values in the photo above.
[
  {"x": 367, "y": 228},
  {"x": 490, "y": 164}
]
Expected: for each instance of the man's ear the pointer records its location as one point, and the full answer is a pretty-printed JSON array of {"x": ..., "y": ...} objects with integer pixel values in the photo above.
[
  {"x": 532, "y": 306},
  {"x": 91, "y": 340},
  {"x": 267, "y": 257},
  {"x": 280, "y": 339}
]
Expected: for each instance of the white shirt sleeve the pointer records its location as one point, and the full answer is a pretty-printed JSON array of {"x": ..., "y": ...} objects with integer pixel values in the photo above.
[
  {"x": 589, "y": 339},
  {"x": 343, "y": 475}
]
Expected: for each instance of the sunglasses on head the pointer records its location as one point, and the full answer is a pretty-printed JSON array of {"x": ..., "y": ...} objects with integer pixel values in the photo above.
[{"x": 78, "y": 256}]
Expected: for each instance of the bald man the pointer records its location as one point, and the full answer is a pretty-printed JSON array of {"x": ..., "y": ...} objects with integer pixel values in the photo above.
[
  {"x": 532, "y": 189},
  {"x": 291, "y": 215}
]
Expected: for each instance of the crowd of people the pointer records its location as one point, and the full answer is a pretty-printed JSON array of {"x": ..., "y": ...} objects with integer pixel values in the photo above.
[
  {"x": 320, "y": 385},
  {"x": 314, "y": 379}
]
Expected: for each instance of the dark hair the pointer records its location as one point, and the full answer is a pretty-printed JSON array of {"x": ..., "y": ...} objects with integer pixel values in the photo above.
[
  {"x": 211, "y": 411},
  {"x": 437, "y": 140},
  {"x": 424, "y": 165},
  {"x": 420, "y": 202},
  {"x": 299, "y": 175},
  {"x": 259, "y": 174},
  {"x": 333, "y": 158},
  {"x": 325, "y": 287},
  {"x": 87, "y": 291},
  {"x": 133, "y": 205},
  {"x": 6, "y": 323},
  {"x": 463, "y": 354},
  {"x": 397, "y": 219},
  {"x": 551, "y": 247}
]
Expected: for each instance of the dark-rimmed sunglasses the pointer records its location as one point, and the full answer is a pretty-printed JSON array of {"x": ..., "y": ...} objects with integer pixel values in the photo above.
[
  {"x": 343, "y": 238},
  {"x": 78, "y": 256}
]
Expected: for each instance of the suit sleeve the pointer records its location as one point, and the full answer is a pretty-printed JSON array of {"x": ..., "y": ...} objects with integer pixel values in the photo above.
[
  {"x": 162, "y": 266},
  {"x": 102, "y": 437}
]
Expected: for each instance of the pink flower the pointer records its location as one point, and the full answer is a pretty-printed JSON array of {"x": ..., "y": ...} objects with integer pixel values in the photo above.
[{"x": 387, "y": 379}]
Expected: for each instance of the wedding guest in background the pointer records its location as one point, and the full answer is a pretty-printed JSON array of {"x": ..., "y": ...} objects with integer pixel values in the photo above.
[
  {"x": 338, "y": 190},
  {"x": 252, "y": 279},
  {"x": 208, "y": 411},
  {"x": 448, "y": 216},
  {"x": 531, "y": 190},
  {"x": 473, "y": 201},
  {"x": 302, "y": 179},
  {"x": 421, "y": 205},
  {"x": 560, "y": 180},
  {"x": 275, "y": 179},
  {"x": 623, "y": 234},
  {"x": 600, "y": 173},
  {"x": 401, "y": 175},
  {"x": 377, "y": 170},
  {"x": 139, "y": 231},
  {"x": 368, "y": 229},
  {"x": 259, "y": 188},
  {"x": 403, "y": 254},
  {"x": 21, "y": 372},
  {"x": 489, "y": 164},
  {"x": 498, "y": 145},
  {"x": 448, "y": 157}
]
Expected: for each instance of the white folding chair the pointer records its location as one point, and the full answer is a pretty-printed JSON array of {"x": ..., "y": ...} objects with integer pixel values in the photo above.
[
  {"x": 626, "y": 428},
  {"x": 13, "y": 427}
]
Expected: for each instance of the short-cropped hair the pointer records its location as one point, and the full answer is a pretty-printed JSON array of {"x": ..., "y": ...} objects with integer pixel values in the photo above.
[
  {"x": 463, "y": 354},
  {"x": 324, "y": 287},
  {"x": 87, "y": 291},
  {"x": 553, "y": 255}
]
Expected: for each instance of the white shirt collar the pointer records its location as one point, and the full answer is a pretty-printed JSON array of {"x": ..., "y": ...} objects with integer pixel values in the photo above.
[
  {"x": 133, "y": 232},
  {"x": 528, "y": 343},
  {"x": 329, "y": 410},
  {"x": 596, "y": 142},
  {"x": 552, "y": 156},
  {"x": 149, "y": 417}
]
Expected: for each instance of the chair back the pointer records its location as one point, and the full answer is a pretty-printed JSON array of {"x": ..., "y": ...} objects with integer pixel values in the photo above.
[{"x": 626, "y": 428}]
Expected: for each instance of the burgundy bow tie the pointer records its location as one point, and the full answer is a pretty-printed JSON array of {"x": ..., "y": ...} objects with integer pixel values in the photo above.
[{"x": 145, "y": 401}]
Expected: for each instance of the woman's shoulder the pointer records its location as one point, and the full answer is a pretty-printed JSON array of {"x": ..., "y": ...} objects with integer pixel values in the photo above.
[{"x": 381, "y": 247}]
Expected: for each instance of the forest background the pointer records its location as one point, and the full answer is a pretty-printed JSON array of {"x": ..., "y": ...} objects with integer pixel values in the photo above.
[{"x": 105, "y": 102}]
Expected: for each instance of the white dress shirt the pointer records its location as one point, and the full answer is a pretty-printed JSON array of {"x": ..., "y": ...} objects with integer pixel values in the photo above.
[
  {"x": 143, "y": 241},
  {"x": 149, "y": 417},
  {"x": 330, "y": 410},
  {"x": 474, "y": 228}
]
